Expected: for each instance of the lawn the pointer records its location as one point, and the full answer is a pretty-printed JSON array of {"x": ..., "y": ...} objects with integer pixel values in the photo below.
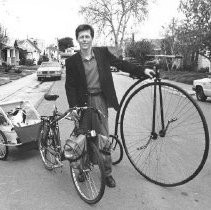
[
  {"x": 186, "y": 77},
  {"x": 6, "y": 77}
]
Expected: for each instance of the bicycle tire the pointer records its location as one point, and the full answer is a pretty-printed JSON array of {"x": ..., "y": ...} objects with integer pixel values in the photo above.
[
  {"x": 47, "y": 146},
  {"x": 3, "y": 148},
  {"x": 116, "y": 150},
  {"x": 155, "y": 159},
  {"x": 88, "y": 189}
]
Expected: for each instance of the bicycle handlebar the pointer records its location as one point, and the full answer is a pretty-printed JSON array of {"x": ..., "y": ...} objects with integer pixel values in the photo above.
[
  {"x": 66, "y": 113},
  {"x": 154, "y": 66}
]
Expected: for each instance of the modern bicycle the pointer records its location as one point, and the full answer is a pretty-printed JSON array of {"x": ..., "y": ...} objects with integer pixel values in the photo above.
[{"x": 86, "y": 166}]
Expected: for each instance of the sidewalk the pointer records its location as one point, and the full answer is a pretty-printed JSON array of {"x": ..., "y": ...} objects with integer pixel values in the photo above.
[
  {"x": 25, "y": 88},
  {"x": 11, "y": 76},
  {"x": 4, "y": 80}
]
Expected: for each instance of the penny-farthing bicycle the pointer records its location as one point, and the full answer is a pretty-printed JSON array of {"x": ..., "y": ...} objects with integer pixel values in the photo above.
[{"x": 164, "y": 132}]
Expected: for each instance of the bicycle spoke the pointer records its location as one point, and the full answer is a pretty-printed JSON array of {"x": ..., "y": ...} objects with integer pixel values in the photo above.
[
  {"x": 172, "y": 156},
  {"x": 90, "y": 189}
]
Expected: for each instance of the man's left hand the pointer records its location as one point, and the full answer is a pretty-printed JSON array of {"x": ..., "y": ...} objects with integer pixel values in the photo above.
[{"x": 149, "y": 72}]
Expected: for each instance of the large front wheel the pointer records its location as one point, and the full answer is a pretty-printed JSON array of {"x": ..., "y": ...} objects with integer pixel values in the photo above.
[
  {"x": 88, "y": 175},
  {"x": 176, "y": 151}
]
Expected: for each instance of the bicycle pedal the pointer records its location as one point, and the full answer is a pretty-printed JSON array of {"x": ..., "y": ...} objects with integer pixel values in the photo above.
[{"x": 58, "y": 165}]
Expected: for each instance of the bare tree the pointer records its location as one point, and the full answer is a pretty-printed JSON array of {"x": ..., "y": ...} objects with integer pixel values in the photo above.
[
  {"x": 3, "y": 40},
  {"x": 197, "y": 25},
  {"x": 114, "y": 16},
  {"x": 3, "y": 36}
]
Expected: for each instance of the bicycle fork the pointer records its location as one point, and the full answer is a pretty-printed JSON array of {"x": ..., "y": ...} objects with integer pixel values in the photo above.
[
  {"x": 164, "y": 127},
  {"x": 162, "y": 133},
  {"x": 163, "y": 130}
]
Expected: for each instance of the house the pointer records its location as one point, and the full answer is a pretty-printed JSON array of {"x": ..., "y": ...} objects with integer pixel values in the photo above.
[
  {"x": 64, "y": 55},
  {"x": 40, "y": 43},
  {"x": 203, "y": 62},
  {"x": 52, "y": 52},
  {"x": 157, "y": 45},
  {"x": 9, "y": 54},
  {"x": 33, "y": 52}
]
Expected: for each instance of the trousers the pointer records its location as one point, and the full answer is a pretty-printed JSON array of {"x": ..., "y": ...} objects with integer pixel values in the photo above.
[{"x": 91, "y": 121}]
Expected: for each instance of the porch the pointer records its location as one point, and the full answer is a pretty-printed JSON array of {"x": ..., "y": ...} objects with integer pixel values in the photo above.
[{"x": 10, "y": 56}]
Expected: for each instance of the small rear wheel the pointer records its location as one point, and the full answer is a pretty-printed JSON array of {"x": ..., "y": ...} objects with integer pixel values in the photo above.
[
  {"x": 116, "y": 149},
  {"x": 88, "y": 177},
  {"x": 3, "y": 147}
]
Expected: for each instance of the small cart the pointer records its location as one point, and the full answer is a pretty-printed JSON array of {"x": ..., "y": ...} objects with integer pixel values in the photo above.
[{"x": 19, "y": 124}]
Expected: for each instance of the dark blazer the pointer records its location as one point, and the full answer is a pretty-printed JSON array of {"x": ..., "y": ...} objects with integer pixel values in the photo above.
[{"x": 76, "y": 86}]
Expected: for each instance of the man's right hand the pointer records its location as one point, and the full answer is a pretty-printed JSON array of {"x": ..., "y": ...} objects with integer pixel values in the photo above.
[
  {"x": 74, "y": 116},
  {"x": 149, "y": 72}
]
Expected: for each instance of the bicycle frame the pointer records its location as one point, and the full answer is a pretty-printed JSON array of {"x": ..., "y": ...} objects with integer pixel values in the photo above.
[
  {"x": 157, "y": 83},
  {"x": 57, "y": 116},
  {"x": 121, "y": 105},
  {"x": 129, "y": 90}
]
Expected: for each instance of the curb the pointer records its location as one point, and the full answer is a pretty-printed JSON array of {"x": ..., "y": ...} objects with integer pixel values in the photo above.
[
  {"x": 36, "y": 100},
  {"x": 37, "y": 104},
  {"x": 4, "y": 81}
]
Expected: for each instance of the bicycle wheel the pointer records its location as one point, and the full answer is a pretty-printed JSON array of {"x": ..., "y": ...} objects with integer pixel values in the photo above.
[
  {"x": 3, "y": 149},
  {"x": 176, "y": 157},
  {"x": 91, "y": 184},
  {"x": 48, "y": 146},
  {"x": 116, "y": 149}
]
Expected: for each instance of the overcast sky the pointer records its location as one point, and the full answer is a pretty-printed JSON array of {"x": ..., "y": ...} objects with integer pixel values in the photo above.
[{"x": 51, "y": 19}]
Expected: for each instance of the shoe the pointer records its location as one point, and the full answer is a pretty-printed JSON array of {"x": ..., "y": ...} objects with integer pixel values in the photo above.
[
  {"x": 110, "y": 182},
  {"x": 81, "y": 177}
]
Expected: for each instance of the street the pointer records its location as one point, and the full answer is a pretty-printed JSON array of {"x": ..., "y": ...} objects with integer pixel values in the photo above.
[{"x": 26, "y": 185}]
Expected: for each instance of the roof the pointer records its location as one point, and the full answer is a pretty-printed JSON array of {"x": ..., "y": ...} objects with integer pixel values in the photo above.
[
  {"x": 166, "y": 56},
  {"x": 5, "y": 46},
  {"x": 9, "y": 43},
  {"x": 33, "y": 45},
  {"x": 155, "y": 42},
  {"x": 52, "y": 48},
  {"x": 21, "y": 42}
]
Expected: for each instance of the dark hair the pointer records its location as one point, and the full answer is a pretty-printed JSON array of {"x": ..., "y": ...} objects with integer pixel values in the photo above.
[{"x": 84, "y": 27}]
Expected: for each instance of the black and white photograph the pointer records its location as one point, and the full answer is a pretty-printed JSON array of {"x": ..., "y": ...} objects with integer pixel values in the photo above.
[{"x": 105, "y": 104}]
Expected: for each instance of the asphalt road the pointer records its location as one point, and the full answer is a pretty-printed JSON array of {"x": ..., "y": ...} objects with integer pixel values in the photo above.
[{"x": 26, "y": 185}]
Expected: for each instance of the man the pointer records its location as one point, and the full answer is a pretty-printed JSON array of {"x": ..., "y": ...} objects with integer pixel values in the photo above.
[{"x": 89, "y": 82}]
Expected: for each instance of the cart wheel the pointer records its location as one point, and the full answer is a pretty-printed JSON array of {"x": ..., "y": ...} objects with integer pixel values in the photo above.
[{"x": 3, "y": 148}]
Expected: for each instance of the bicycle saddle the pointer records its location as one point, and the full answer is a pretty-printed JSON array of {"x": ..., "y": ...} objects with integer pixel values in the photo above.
[{"x": 50, "y": 97}]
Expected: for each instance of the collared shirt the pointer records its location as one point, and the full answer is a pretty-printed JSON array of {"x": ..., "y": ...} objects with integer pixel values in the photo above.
[{"x": 92, "y": 74}]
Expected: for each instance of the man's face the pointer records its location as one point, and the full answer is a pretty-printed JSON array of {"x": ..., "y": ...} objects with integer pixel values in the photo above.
[{"x": 85, "y": 40}]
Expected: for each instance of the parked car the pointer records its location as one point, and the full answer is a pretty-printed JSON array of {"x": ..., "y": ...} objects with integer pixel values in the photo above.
[
  {"x": 49, "y": 70},
  {"x": 202, "y": 87},
  {"x": 62, "y": 62},
  {"x": 43, "y": 58}
]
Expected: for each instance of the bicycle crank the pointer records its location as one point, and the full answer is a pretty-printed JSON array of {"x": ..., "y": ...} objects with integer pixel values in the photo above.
[{"x": 162, "y": 133}]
